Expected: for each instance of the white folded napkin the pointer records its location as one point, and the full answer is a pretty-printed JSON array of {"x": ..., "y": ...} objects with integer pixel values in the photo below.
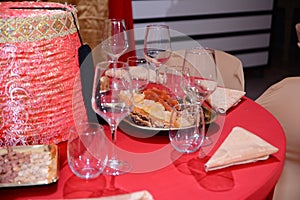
[
  {"x": 224, "y": 98},
  {"x": 139, "y": 195},
  {"x": 240, "y": 147}
]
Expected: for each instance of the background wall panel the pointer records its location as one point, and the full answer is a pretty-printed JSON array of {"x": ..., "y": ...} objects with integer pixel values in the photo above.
[
  {"x": 167, "y": 8},
  {"x": 240, "y": 27}
]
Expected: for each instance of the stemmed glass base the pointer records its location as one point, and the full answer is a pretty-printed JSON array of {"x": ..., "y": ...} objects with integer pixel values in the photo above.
[
  {"x": 111, "y": 189},
  {"x": 207, "y": 141},
  {"x": 116, "y": 167}
]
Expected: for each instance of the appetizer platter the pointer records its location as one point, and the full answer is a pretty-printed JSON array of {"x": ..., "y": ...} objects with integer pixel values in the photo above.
[
  {"x": 152, "y": 110},
  {"x": 28, "y": 165}
]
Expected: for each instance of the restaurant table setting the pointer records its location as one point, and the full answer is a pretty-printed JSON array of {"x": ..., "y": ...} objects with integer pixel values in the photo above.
[
  {"x": 166, "y": 132},
  {"x": 187, "y": 171}
]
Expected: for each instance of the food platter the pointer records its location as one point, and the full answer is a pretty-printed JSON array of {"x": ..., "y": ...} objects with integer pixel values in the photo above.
[
  {"x": 30, "y": 165},
  {"x": 152, "y": 110},
  {"x": 209, "y": 114}
]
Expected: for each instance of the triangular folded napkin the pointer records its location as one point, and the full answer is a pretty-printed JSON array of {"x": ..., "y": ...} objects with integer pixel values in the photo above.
[
  {"x": 224, "y": 98},
  {"x": 240, "y": 147}
]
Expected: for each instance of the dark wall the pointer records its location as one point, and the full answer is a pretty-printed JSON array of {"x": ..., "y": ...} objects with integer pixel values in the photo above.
[{"x": 284, "y": 38}]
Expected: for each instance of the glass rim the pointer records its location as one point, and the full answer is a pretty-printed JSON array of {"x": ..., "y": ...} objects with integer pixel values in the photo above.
[
  {"x": 115, "y": 19},
  {"x": 157, "y": 25},
  {"x": 93, "y": 124},
  {"x": 135, "y": 58},
  {"x": 110, "y": 62},
  {"x": 201, "y": 50}
]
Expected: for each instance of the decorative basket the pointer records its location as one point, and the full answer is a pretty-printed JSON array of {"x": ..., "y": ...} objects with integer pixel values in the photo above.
[{"x": 38, "y": 66}]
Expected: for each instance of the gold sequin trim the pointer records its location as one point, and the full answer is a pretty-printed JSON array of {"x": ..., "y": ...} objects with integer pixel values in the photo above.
[{"x": 36, "y": 28}]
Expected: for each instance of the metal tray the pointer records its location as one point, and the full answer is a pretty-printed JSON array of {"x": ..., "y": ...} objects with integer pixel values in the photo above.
[{"x": 51, "y": 167}]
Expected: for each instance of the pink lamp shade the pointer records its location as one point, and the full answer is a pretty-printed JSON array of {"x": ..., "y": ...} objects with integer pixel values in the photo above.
[{"x": 38, "y": 67}]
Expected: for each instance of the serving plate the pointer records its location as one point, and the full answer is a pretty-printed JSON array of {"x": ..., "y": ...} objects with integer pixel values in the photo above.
[
  {"x": 210, "y": 117},
  {"x": 47, "y": 167}
]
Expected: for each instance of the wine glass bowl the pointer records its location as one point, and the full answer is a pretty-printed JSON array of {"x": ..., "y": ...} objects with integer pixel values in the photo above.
[
  {"x": 112, "y": 99},
  {"x": 139, "y": 71},
  {"x": 157, "y": 44},
  {"x": 199, "y": 73},
  {"x": 86, "y": 150},
  {"x": 186, "y": 132},
  {"x": 170, "y": 77},
  {"x": 117, "y": 39}
]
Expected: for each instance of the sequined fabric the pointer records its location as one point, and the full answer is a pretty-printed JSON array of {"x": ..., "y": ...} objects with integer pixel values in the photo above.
[
  {"x": 91, "y": 16},
  {"x": 21, "y": 25},
  {"x": 38, "y": 66}
]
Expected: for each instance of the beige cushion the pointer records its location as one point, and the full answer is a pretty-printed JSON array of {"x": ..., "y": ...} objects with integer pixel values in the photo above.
[
  {"x": 231, "y": 70},
  {"x": 282, "y": 100}
]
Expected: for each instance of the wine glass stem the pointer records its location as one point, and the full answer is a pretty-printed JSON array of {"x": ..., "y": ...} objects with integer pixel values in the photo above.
[
  {"x": 156, "y": 69},
  {"x": 115, "y": 58},
  {"x": 113, "y": 129},
  {"x": 112, "y": 183},
  {"x": 202, "y": 118},
  {"x": 157, "y": 75}
]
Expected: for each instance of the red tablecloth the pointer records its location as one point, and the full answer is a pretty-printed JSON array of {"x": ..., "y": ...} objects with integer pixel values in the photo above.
[{"x": 182, "y": 178}]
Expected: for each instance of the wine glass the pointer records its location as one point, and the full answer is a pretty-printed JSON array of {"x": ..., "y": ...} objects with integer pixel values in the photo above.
[
  {"x": 199, "y": 76},
  {"x": 157, "y": 45},
  {"x": 117, "y": 40},
  {"x": 112, "y": 99},
  {"x": 139, "y": 71},
  {"x": 86, "y": 150},
  {"x": 186, "y": 132}
]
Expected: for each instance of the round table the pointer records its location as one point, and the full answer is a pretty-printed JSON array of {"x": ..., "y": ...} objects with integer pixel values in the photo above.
[{"x": 167, "y": 175}]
